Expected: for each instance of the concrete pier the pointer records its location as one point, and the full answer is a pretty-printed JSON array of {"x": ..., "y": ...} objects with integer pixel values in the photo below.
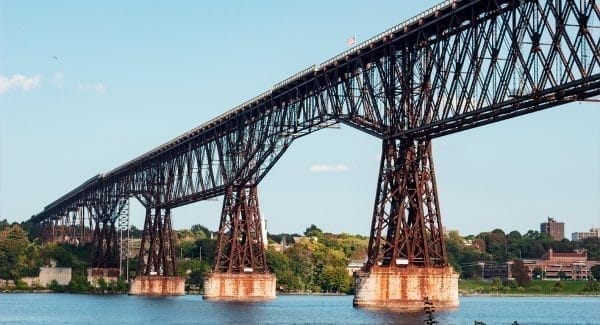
[
  {"x": 157, "y": 286},
  {"x": 108, "y": 274},
  {"x": 239, "y": 287},
  {"x": 406, "y": 288}
]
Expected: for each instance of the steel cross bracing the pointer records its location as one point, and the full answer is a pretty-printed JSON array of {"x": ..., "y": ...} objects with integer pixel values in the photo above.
[
  {"x": 240, "y": 247},
  {"x": 459, "y": 65},
  {"x": 406, "y": 226}
]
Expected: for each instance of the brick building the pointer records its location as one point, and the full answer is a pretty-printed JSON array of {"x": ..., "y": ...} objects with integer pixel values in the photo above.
[
  {"x": 553, "y": 228},
  {"x": 573, "y": 265}
]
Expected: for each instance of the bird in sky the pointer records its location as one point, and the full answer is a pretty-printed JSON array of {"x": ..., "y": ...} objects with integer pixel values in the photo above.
[{"x": 55, "y": 57}]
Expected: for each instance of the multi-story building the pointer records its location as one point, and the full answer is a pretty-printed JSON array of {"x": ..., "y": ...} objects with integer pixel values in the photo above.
[
  {"x": 573, "y": 265},
  {"x": 553, "y": 228},
  {"x": 594, "y": 232}
]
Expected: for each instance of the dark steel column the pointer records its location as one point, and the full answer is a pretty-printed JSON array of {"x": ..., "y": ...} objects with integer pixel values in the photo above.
[
  {"x": 157, "y": 251},
  {"x": 105, "y": 250},
  {"x": 406, "y": 227},
  {"x": 240, "y": 247}
]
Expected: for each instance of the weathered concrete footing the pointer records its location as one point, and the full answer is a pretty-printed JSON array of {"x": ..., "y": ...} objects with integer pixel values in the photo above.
[
  {"x": 406, "y": 288},
  {"x": 239, "y": 287},
  {"x": 157, "y": 286},
  {"x": 108, "y": 274}
]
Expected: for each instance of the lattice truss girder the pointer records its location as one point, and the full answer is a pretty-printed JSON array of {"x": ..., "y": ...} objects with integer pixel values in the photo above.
[
  {"x": 481, "y": 65},
  {"x": 239, "y": 241},
  {"x": 69, "y": 227},
  {"x": 482, "y": 62},
  {"x": 406, "y": 227}
]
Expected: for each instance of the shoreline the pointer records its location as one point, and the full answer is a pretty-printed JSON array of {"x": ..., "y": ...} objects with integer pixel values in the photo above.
[
  {"x": 328, "y": 294},
  {"x": 524, "y": 295}
]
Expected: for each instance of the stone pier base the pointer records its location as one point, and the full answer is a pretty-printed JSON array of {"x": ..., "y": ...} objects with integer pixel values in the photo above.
[
  {"x": 239, "y": 287},
  {"x": 109, "y": 275},
  {"x": 157, "y": 286},
  {"x": 406, "y": 288}
]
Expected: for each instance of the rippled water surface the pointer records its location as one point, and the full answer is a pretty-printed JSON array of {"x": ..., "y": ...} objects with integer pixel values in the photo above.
[{"x": 119, "y": 309}]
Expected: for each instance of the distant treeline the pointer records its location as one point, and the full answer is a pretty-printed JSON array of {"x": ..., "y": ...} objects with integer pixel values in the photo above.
[{"x": 317, "y": 262}]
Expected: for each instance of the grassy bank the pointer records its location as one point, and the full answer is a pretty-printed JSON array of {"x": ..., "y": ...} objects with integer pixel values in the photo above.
[{"x": 539, "y": 287}]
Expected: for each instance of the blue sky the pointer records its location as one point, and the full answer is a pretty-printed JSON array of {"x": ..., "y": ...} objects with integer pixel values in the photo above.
[{"x": 86, "y": 86}]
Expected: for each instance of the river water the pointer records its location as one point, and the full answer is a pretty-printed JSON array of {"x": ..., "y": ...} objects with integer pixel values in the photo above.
[{"x": 54, "y": 308}]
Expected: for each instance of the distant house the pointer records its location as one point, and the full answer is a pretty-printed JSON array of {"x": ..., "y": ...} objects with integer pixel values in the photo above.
[
  {"x": 305, "y": 239},
  {"x": 354, "y": 265},
  {"x": 276, "y": 247}
]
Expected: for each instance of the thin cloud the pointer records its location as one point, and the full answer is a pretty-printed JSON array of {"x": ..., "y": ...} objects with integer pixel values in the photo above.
[
  {"x": 19, "y": 81},
  {"x": 99, "y": 88},
  {"x": 328, "y": 168}
]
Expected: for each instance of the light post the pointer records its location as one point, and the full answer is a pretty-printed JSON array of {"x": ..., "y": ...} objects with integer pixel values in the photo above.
[{"x": 482, "y": 266}]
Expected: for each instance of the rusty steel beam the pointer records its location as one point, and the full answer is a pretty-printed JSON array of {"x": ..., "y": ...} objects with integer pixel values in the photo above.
[
  {"x": 157, "y": 251},
  {"x": 460, "y": 65},
  {"x": 240, "y": 247},
  {"x": 406, "y": 228},
  {"x": 105, "y": 250}
]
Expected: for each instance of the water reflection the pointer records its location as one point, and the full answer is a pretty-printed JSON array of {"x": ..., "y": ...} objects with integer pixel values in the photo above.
[
  {"x": 122, "y": 309},
  {"x": 387, "y": 316},
  {"x": 238, "y": 311}
]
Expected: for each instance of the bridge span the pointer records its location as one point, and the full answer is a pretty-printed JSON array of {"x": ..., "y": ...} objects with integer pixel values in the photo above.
[{"x": 457, "y": 66}]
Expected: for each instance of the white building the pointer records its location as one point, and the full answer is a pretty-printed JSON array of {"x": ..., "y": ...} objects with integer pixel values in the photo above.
[{"x": 594, "y": 232}]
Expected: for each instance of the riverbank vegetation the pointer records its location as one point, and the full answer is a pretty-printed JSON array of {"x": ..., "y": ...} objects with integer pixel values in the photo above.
[
  {"x": 538, "y": 287},
  {"x": 312, "y": 262}
]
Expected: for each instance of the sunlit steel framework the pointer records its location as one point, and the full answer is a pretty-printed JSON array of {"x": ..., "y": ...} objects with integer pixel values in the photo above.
[
  {"x": 459, "y": 65},
  {"x": 240, "y": 241}
]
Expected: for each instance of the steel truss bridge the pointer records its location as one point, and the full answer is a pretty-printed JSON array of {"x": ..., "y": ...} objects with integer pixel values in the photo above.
[{"x": 457, "y": 66}]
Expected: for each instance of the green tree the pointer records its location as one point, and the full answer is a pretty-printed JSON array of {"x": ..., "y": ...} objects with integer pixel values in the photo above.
[
  {"x": 595, "y": 270},
  {"x": 279, "y": 263},
  {"x": 313, "y": 231},
  {"x": 54, "y": 286},
  {"x": 185, "y": 248},
  {"x": 454, "y": 247},
  {"x": 536, "y": 250},
  {"x": 335, "y": 279},
  {"x": 468, "y": 261},
  {"x": 4, "y": 224},
  {"x": 193, "y": 270},
  {"x": 122, "y": 285},
  {"x": 301, "y": 264},
  {"x": 563, "y": 245},
  {"x": 520, "y": 273},
  {"x": 102, "y": 285},
  {"x": 206, "y": 249},
  {"x": 517, "y": 245},
  {"x": 80, "y": 284},
  {"x": 592, "y": 245},
  {"x": 17, "y": 255},
  {"x": 201, "y": 231}
]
